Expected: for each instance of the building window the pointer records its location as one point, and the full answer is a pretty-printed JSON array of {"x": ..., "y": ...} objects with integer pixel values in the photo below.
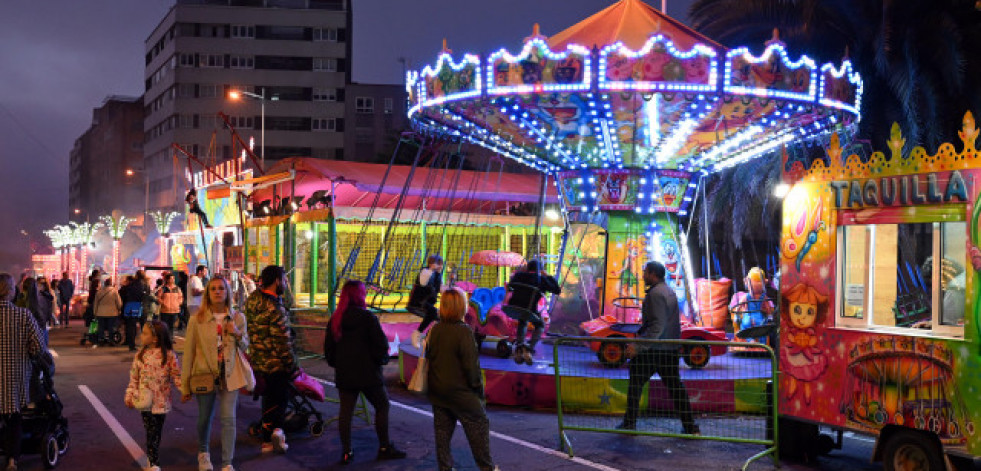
[
  {"x": 364, "y": 136},
  {"x": 186, "y": 121},
  {"x": 207, "y": 90},
  {"x": 364, "y": 104},
  {"x": 389, "y": 105},
  {"x": 243, "y": 31},
  {"x": 324, "y": 94},
  {"x": 324, "y": 64},
  {"x": 325, "y": 34},
  {"x": 241, "y": 122},
  {"x": 186, "y": 60},
  {"x": 241, "y": 62},
  {"x": 323, "y": 124},
  {"x": 211, "y": 60},
  {"x": 908, "y": 276},
  {"x": 208, "y": 121}
]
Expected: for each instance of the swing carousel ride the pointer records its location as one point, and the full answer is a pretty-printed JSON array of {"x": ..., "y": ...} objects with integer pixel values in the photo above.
[{"x": 626, "y": 112}]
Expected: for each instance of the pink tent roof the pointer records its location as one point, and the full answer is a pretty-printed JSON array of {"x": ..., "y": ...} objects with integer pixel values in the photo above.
[
  {"x": 357, "y": 183},
  {"x": 631, "y": 21}
]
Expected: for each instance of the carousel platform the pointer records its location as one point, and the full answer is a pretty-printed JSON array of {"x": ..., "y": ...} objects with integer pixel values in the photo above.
[{"x": 730, "y": 383}]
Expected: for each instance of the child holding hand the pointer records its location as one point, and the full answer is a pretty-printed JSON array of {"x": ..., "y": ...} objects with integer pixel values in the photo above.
[{"x": 154, "y": 369}]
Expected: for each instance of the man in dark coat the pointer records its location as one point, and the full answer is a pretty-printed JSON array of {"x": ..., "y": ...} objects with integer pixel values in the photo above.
[
  {"x": 66, "y": 290},
  {"x": 660, "y": 321}
]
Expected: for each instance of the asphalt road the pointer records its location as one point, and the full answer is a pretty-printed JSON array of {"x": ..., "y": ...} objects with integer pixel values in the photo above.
[{"x": 105, "y": 435}]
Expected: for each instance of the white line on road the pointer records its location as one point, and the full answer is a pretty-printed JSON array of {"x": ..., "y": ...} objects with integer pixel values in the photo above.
[
  {"x": 134, "y": 450},
  {"x": 507, "y": 438},
  {"x": 53, "y": 353}
]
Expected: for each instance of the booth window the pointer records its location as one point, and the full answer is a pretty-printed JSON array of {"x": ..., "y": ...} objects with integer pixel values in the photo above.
[{"x": 907, "y": 276}]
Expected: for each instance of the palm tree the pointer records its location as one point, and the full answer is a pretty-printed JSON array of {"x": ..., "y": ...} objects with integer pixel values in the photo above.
[{"x": 916, "y": 57}]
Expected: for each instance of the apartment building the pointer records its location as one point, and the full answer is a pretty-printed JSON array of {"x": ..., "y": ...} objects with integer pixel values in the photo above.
[
  {"x": 375, "y": 117},
  {"x": 106, "y": 162},
  {"x": 288, "y": 59}
]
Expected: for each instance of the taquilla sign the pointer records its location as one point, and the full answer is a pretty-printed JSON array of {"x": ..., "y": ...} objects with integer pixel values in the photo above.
[{"x": 907, "y": 190}]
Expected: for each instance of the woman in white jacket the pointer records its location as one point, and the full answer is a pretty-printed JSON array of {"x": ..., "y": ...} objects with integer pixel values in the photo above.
[{"x": 215, "y": 335}]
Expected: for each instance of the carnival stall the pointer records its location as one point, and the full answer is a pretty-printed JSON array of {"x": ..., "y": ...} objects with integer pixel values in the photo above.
[{"x": 879, "y": 323}]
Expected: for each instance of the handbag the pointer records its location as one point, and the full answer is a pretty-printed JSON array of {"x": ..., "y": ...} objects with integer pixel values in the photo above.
[
  {"x": 419, "y": 382},
  {"x": 143, "y": 399},
  {"x": 245, "y": 369},
  {"x": 203, "y": 383}
]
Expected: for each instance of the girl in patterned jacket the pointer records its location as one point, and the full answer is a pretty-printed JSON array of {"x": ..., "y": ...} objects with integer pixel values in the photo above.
[{"x": 154, "y": 368}]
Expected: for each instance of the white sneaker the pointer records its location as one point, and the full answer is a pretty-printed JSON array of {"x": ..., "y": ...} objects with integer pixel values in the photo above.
[
  {"x": 416, "y": 339},
  {"x": 204, "y": 462},
  {"x": 279, "y": 441}
]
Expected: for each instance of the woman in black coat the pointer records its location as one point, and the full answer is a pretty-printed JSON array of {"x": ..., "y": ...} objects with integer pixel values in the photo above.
[{"x": 356, "y": 347}]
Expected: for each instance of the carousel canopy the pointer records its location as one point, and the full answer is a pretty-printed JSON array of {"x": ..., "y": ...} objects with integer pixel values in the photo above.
[{"x": 630, "y": 88}]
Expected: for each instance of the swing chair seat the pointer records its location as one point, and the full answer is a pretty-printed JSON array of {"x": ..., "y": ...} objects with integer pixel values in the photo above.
[
  {"x": 379, "y": 292},
  {"x": 416, "y": 310},
  {"x": 521, "y": 314}
]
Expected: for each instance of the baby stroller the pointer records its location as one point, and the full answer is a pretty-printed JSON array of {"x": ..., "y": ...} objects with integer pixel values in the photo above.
[
  {"x": 303, "y": 389},
  {"x": 45, "y": 430},
  {"x": 91, "y": 334}
]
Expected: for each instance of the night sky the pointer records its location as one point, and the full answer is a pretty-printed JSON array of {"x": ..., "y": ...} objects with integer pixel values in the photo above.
[{"x": 59, "y": 59}]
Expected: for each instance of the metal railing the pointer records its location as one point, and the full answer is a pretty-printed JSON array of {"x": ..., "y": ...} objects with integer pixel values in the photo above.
[
  {"x": 731, "y": 397},
  {"x": 309, "y": 324}
]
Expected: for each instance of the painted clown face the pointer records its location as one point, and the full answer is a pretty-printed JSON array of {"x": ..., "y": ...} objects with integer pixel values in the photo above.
[
  {"x": 670, "y": 251},
  {"x": 802, "y": 315},
  {"x": 614, "y": 188}
]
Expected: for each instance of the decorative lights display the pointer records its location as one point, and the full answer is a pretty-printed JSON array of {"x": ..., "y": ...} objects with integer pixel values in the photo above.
[
  {"x": 163, "y": 220},
  {"x": 734, "y": 85},
  {"x": 84, "y": 235},
  {"x": 698, "y": 50},
  {"x": 116, "y": 225},
  {"x": 538, "y": 44}
]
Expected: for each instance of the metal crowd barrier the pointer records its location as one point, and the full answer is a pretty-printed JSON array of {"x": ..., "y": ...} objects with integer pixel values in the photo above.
[
  {"x": 309, "y": 324},
  {"x": 732, "y": 397}
]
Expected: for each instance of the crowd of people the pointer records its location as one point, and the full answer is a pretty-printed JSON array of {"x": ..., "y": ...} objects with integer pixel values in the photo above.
[{"x": 240, "y": 338}]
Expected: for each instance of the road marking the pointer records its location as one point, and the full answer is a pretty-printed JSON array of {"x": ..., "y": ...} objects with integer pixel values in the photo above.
[
  {"x": 134, "y": 450},
  {"x": 507, "y": 438},
  {"x": 53, "y": 353}
]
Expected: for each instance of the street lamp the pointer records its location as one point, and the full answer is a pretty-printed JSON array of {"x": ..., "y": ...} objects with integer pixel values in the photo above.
[
  {"x": 237, "y": 95},
  {"x": 146, "y": 192}
]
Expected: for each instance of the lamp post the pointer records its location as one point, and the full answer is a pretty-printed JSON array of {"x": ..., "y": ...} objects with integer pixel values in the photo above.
[
  {"x": 116, "y": 224},
  {"x": 237, "y": 95},
  {"x": 146, "y": 191}
]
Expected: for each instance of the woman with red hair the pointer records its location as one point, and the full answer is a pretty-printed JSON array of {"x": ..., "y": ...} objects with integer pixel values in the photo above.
[{"x": 356, "y": 347}]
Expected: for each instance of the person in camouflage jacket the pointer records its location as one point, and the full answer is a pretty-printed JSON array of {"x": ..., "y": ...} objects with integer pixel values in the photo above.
[{"x": 271, "y": 353}]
